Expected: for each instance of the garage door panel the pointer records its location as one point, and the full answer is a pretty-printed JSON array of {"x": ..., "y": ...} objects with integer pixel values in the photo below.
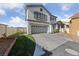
[{"x": 38, "y": 29}]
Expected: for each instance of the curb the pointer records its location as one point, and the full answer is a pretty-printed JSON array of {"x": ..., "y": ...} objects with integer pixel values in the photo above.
[{"x": 9, "y": 49}]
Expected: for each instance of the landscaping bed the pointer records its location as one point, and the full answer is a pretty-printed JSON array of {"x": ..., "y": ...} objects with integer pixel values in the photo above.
[
  {"x": 24, "y": 46},
  {"x": 5, "y": 44}
]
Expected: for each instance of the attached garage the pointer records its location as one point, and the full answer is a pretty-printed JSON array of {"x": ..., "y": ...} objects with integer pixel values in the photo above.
[{"x": 38, "y": 29}]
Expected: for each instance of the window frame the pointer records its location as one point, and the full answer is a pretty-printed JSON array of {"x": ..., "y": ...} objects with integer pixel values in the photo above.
[{"x": 40, "y": 16}]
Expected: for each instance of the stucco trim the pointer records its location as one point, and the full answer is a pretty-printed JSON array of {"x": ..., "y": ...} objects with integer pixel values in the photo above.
[{"x": 38, "y": 21}]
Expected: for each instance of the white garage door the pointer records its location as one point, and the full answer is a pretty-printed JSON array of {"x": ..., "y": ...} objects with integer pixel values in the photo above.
[{"x": 38, "y": 29}]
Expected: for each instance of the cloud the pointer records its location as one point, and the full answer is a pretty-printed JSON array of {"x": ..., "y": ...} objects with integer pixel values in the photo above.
[
  {"x": 17, "y": 22},
  {"x": 65, "y": 17},
  {"x": 65, "y": 20},
  {"x": 2, "y": 12},
  {"x": 11, "y": 5},
  {"x": 44, "y": 4},
  {"x": 65, "y": 7},
  {"x": 17, "y": 7}
]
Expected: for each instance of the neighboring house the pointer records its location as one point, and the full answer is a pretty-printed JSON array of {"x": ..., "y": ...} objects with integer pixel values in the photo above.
[
  {"x": 60, "y": 26},
  {"x": 39, "y": 19},
  {"x": 66, "y": 27},
  {"x": 74, "y": 25}
]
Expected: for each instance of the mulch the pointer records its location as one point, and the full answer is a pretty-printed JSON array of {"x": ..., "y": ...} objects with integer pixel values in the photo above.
[{"x": 4, "y": 44}]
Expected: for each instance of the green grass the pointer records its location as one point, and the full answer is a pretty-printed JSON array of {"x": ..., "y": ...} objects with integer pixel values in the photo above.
[{"x": 24, "y": 46}]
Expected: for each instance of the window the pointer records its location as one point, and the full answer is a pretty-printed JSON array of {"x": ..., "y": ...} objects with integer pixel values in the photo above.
[
  {"x": 70, "y": 21},
  {"x": 52, "y": 18},
  {"x": 40, "y": 16},
  {"x": 35, "y": 15},
  {"x": 55, "y": 19},
  {"x": 41, "y": 9},
  {"x": 67, "y": 26},
  {"x": 45, "y": 17}
]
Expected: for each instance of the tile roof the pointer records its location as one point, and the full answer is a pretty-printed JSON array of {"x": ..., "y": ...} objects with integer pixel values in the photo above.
[{"x": 75, "y": 16}]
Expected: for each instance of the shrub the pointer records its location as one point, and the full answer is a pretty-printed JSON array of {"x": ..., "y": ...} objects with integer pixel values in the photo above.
[
  {"x": 56, "y": 31},
  {"x": 24, "y": 46}
]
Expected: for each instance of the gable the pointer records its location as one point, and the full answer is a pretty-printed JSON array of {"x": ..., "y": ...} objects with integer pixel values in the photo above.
[{"x": 39, "y": 8}]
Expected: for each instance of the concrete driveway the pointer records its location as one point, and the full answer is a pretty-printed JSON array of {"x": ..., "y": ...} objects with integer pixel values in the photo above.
[
  {"x": 61, "y": 50},
  {"x": 56, "y": 43}
]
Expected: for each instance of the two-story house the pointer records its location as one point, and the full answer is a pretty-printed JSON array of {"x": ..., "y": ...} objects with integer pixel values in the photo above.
[
  {"x": 74, "y": 25},
  {"x": 39, "y": 19}
]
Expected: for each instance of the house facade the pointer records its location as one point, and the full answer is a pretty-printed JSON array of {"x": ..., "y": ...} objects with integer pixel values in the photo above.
[
  {"x": 66, "y": 27},
  {"x": 39, "y": 19},
  {"x": 74, "y": 25}
]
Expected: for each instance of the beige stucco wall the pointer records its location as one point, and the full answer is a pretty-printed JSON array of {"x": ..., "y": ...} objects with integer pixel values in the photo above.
[
  {"x": 13, "y": 30},
  {"x": 2, "y": 29},
  {"x": 10, "y": 30},
  {"x": 74, "y": 27},
  {"x": 21, "y": 29}
]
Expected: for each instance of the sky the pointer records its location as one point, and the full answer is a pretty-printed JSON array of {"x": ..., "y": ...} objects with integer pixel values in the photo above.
[
  {"x": 63, "y": 10},
  {"x": 13, "y": 14}
]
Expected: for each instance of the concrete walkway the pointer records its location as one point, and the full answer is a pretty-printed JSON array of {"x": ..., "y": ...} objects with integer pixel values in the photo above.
[{"x": 56, "y": 43}]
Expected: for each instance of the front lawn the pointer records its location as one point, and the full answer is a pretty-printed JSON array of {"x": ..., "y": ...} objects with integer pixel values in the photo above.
[{"x": 24, "y": 46}]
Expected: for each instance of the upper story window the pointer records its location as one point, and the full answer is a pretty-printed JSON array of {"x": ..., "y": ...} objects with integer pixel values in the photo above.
[
  {"x": 45, "y": 17},
  {"x": 35, "y": 15},
  {"x": 52, "y": 18},
  {"x": 70, "y": 21},
  {"x": 41, "y": 9},
  {"x": 67, "y": 26},
  {"x": 40, "y": 16}
]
